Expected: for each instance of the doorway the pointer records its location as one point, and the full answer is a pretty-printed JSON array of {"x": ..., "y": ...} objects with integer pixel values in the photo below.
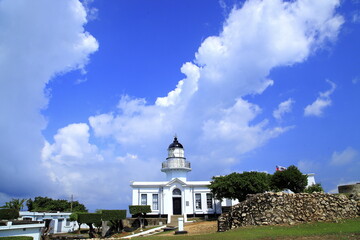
[{"x": 177, "y": 205}]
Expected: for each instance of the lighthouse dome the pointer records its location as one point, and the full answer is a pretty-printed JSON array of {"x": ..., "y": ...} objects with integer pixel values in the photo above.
[{"x": 175, "y": 144}]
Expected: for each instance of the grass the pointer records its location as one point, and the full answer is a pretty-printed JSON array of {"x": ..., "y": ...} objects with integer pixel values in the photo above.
[{"x": 340, "y": 230}]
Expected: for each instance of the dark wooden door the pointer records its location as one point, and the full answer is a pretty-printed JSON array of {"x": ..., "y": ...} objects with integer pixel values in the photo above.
[{"x": 176, "y": 206}]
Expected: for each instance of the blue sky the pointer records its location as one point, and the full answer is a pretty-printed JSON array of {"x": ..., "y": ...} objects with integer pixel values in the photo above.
[{"x": 94, "y": 91}]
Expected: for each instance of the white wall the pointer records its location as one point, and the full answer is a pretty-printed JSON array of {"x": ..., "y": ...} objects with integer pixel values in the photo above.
[
  {"x": 32, "y": 230},
  {"x": 65, "y": 226},
  {"x": 165, "y": 199},
  {"x": 311, "y": 179}
]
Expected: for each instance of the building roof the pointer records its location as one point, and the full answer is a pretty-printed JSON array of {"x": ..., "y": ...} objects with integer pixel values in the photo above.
[
  {"x": 175, "y": 144},
  {"x": 162, "y": 183}
]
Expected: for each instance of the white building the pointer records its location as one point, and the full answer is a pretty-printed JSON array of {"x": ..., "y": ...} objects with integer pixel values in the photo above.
[
  {"x": 59, "y": 222},
  {"x": 13, "y": 229},
  {"x": 177, "y": 195}
]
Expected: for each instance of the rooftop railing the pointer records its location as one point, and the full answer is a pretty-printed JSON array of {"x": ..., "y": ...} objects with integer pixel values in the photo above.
[{"x": 176, "y": 163}]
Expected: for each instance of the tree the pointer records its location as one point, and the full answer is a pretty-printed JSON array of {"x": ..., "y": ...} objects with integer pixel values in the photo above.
[
  {"x": 140, "y": 211},
  {"x": 75, "y": 217},
  {"x": 291, "y": 179},
  {"x": 89, "y": 219},
  {"x": 48, "y": 204},
  {"x": 115, "y": 217},
  {"x": 314, "y": 188},
  {"x": 238, "y": 185},
  {"x": 15, "y": 203},
  {"x": 9, "y": 214}
]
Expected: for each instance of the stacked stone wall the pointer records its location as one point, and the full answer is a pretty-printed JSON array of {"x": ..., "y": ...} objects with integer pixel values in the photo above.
[{"x": 285, "y": 208}]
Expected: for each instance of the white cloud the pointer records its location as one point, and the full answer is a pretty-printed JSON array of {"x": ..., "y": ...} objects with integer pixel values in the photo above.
[
  {"x": 323, "y": 101},
  {"x": 38, "y": 39},
  {"x": 71, "y": 147},
  {"x": 136, "y": 122},
  {"x": 307, "y": 166},
  {"x": 91, "y": 12},
  {"x": 344, "y": 157},
  {"x": 80, "y": 80},
  {"x": 127, "y": 157},
  {"x": 356, "y": 17},
  {"x": 184, "y": 89},
  {"x": 234, "y": 126},
  {"x": 355, "y": 80},
  {"x": 284, "y": 107}
]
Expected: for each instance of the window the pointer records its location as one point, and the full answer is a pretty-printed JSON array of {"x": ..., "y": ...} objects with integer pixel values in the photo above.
[
  {"x": 155, "y": 200},
  {"x": 209, "y": 200},
  {"x": 176, "y": 192},
  {"x": 198, "y": 200},
  {"x": 143, "y": 199}
]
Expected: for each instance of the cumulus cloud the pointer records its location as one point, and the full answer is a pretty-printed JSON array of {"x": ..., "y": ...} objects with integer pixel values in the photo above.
[
  {"x": 91, "y": 12},
  {"x": 233, "y": 126},
  {"x": 255, "y": 38},
  {"x": 344, "y": 157},
  {"x": 284, "y": 107},
  {"x": 323, "y": 101},
  {"x": 184, "y": 89},
  {"x": 71, "y": 147},
  {"x": 32, "y": 51}
]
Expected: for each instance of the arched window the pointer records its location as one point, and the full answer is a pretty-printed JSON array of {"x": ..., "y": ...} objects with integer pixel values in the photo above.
[{"x": 176, "y": 192}]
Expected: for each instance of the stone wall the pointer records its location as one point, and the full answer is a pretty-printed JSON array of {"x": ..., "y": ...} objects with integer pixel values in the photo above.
[{"x": 285, "y": 208}]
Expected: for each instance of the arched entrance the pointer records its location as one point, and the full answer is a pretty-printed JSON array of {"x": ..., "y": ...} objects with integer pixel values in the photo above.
[{"x": 176, "y": 201}]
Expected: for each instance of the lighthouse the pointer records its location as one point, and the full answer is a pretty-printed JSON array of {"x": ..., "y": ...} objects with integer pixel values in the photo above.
[{"x": 176, "y": 165}]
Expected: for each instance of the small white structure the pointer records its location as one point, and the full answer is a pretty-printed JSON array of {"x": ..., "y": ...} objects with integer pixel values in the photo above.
[
  {"x": 58, "y": 222},
  {"x": 311, "y": 179},
  {"x": 32, "y": 230},
  {"x": 177, "y": 195}
]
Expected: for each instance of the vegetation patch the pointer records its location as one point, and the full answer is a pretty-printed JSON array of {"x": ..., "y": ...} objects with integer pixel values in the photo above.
[
  {"x": 344, "y": 229},
  {"x": 8, "y": 214}
]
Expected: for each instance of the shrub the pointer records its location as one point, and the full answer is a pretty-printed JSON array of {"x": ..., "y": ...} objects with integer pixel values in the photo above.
[
  {"x": 314, "y": 188},
  {"x": 113, "y": 215},
  {"x": 115, "y": 218},
  {"x": 9, "y": 214},
  {"x": 74, "y": 216},
  {"x": 139, "y": 209},
  {"x": 89, "y": 218}
]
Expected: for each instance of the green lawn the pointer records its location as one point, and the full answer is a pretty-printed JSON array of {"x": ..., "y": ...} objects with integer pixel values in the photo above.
[{"x": 340, "y": 230}]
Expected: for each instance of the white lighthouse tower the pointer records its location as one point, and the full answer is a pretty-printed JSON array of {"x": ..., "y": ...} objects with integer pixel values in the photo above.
[{"x": 176, "y": 165}]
